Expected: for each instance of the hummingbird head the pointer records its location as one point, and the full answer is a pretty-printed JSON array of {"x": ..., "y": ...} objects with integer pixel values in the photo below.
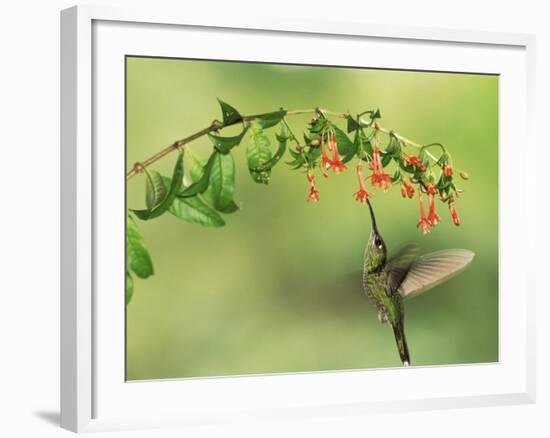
[{"x": 376, "y": 251}]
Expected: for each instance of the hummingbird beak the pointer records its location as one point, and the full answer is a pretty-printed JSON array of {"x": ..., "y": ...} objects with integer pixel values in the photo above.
[{"x": 373, "y": 219}]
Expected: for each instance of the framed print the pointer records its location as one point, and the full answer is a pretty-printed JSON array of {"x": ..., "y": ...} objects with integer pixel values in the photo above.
[{"x": 274, "y": 219}]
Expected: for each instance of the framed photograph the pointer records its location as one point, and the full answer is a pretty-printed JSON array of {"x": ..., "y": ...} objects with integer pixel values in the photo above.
[{"x": 279, "y": 219}]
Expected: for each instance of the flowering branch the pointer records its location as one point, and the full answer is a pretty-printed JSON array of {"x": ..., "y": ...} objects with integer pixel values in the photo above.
[
  {"x": 217, "y": 126},
  {"x": 206, "y": 195}
]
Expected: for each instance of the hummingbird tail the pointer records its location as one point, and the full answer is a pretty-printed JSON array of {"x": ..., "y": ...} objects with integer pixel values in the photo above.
[{"x": 402, "y": 347}]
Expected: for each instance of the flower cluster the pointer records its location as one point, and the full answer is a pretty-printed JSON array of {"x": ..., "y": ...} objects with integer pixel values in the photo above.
[
  {"x": 328, "y": 148},
  {"x": 379, "y": 178},
  {"x": 334, "y": 162},
  {"x": 433, "y": 179}
]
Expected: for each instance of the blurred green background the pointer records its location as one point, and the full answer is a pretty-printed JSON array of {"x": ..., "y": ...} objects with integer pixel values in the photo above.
[{"x": 270, "y": 292}]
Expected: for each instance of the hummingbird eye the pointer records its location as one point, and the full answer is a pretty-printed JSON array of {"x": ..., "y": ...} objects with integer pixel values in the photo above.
[{"x": 378, "y": 242}]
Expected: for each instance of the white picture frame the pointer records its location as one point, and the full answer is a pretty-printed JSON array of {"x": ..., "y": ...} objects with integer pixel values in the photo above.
[{"x": 93, "y": 396}]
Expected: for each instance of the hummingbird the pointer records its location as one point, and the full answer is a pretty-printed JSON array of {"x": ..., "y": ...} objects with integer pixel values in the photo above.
[{"x": 389, "y": 281}]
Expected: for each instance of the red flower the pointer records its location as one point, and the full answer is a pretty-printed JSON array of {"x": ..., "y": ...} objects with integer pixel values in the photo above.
[
  {"x": 447, "y": 170},
  {"x": 336, "y": 163},
  {"x": 415, "y": 162},
  {"x": 362, "y": 195},
  {"x": 407, "y": 190},
  {"x": 433, "y": 217},
  {"x": 454, "y": 214},
  {"x": 326, "y": 162},
  {"x": 431, "y": 190},
  {"x": 379, "y": 178},
  {"x": 423, "y": 222},
  {"x": 313, "y": 194}
]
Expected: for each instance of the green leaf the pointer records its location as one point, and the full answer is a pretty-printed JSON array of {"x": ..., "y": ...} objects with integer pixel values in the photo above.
[
  {"x": 229, "y": 113},
  {"x": 443, "y": 159},
  {"x": 394, "y": 147},
  {"x": 258, "y": 153},
  {"x": 319, "y": 126},
  {"x": 129, "y": 287},
  {"x": 367, "y": 147},
  {"x": 155, "y": 191},
  {"x": 376, "y": 114},
  {"x": 271, "y": 119},
  {"x": 294, "y": 154},
  {"x": 202, "y": 184},
  {"x": 386, "y": 159},
  {"x": 298, "y": 162},
  {"x": 281, "y": 149},
  {"x": 444, "y": 182},
  {"x": 225, "y": 144},
  {"x": 352, "y": 124},
  {"x": 222, "y": 180},
  {"x": 355, "y": 147},
  {"x": 195, "y": 165},
  {"x": 396, "y": 176},
  {"x": 176, "y": 183},
  {"x": 139, "y": 259},
  {"x": 232, "y": 207},
  {"x": 343, "y": 141},
  {"x": 195, "y": 168},
  {"x": 423, "y": 157},
  {"x": 313, "y": 154},
  {"x": 195, "y": 211}
]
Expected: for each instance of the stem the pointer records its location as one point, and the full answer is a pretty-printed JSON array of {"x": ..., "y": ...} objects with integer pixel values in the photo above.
[
  {"x": 423, "y": 148},
  {"x": 138, "y": 167},
  {"x": 217, "y": 126},
  {"x": 292, "y": 136},
  {"x": 405, "y": 139}
]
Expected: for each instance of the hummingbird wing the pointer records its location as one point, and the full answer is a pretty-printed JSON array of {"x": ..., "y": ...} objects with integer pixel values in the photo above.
[
  {"x": 432, "y": 269},
  {"x": 399, "y": 265}
]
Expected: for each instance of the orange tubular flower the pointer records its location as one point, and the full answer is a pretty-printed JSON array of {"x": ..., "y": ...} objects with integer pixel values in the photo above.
[
  {"x": 362, "y": 195},
  {"x": 326, "y": 162},
  {"x": 336, "y": 163},
  {"x": 313, "y": 194},
  {"x": 454, "y": 214},
  {"x": 433, "y": 217},
  {"x": 423, "y": 222},
  {"x": 379, "y": 178},
  {"x": 415, "y": 162},
  {"x": 407, "y": 190}
]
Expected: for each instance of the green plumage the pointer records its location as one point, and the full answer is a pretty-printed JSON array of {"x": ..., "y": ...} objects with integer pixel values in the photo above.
[
  {"x": 386, "y": 282},
  {"x": 377, "y": 287}
]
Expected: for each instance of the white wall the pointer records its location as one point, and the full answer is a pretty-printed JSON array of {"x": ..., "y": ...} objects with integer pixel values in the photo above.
[{"x": 29, "y": 205}]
